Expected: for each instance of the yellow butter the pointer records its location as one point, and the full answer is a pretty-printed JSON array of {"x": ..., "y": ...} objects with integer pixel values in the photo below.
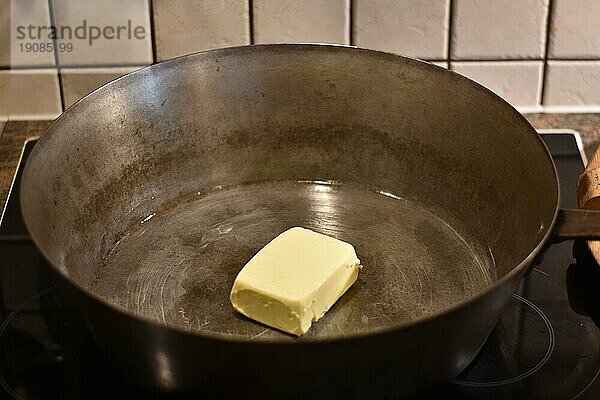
[{"x": 295, "y": 279}]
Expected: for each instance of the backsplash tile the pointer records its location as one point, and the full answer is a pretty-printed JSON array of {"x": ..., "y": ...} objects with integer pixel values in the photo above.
[
  {"x": 126, "y": 24},
  {"x": 292, "y": 21},
  {"x": 498, "y": 29},
  {"x": 500, "y": 43},
  {"x": 443, "y": 64},
  {"x": 22, "y": 14},
  {"x": 29, "y": 94},
  {"x": 5, "y": 33},
  {"x": 574, "y": 29},
  {"x": 184, "y": 26},
  {"x": 572, "y": 83},
  {"x": 4, "y": 94},
  {"x": 417, "y": 28},
  {"x": 518, "y": 82},
  {"x": 77, "y": 82}
]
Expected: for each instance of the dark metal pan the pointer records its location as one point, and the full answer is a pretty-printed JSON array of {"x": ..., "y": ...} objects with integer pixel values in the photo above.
[{"x": 151, "y": 193}]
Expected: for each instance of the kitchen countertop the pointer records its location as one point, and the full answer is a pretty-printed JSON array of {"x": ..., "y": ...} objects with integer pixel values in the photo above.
[
  {"x": 12, "y": 139},
  {"x": 15, "y": 133},
  {"x": 588, "y": 125}
]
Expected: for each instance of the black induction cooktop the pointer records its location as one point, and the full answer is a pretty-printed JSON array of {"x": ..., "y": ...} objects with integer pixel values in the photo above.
[{"x": 545, "y": 346}]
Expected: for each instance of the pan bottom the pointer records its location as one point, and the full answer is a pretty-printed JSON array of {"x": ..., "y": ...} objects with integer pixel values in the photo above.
[{"x": 177, "y": 267}]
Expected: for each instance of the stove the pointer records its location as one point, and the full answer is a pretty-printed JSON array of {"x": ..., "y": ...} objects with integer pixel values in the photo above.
[{"x": 545, "y": 346}]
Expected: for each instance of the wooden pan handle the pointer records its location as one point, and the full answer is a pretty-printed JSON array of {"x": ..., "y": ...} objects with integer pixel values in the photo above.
[
  {"x": 588, "y": 189},
  {"x": 588, "y": 194}
]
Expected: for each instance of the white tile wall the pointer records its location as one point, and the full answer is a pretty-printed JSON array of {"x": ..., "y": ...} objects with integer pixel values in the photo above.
[
  {"x": 487, "y": 39},
  {"x": 418, "y": 28},
  {"x": 77, "y": 82},
  {"x": 184, "y": 26},
  {"x": 572, "y": 83},
  {"x": 128, "y": 49},
  {"x": 23, "y": 14},
  {"x": 29, "y": 94},
  {"x": 4, "y": 93},
  {"x": 443, "y": 64},
  {"x": 5, "y": 33},
  {"x": 575, "y": 29},
  {"x": 498, "y": 29},
  {"x": 292, "y": 21},
  {"x": 518, "y": 82}
]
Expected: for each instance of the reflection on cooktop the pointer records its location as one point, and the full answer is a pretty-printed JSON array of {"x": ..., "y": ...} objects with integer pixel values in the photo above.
[
  {"x": 582, "y": 283},
  {"x": 504, "y": 344},
  {"x": 533, "y": 347}
]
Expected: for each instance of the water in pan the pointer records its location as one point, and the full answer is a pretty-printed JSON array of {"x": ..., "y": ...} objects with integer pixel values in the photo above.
[{"x": 178, "y": 266}]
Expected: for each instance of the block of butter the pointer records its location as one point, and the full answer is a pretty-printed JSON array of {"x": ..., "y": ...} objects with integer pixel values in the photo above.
[{"x": 295, "y": 279}]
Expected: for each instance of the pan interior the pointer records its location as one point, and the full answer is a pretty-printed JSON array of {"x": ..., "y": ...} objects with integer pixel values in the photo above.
[{"x": 177, "y": 266}]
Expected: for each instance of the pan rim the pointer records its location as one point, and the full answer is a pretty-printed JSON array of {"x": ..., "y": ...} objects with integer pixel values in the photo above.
[{"x": 309, "y": 340}]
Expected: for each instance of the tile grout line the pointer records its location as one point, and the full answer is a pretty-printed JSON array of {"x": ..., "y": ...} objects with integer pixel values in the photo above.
[
  {"x": 351, "y": 39},
  {"x": 251, "y": 21},
  {"x": 516, "y": 59},
  {"x": 450, "y": 30},
  {"x": 542, "y": 94},
  {"x": 52, "y": 18},
  {"x": 74, "y": 66},
  {"x": 468, "y": 60},
  {"x": 152, "y": 31},
  {"x": 572, "y": 59}
]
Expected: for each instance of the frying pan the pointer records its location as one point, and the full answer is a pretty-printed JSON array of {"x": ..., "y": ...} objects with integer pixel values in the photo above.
[{"x": 151, "y": 193}]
